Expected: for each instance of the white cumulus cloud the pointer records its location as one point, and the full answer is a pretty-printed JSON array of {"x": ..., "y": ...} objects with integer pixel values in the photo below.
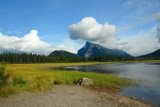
[
  {"x": 143, "y": 42},
  {"x": 90, "y": 30},
  {"x": 29, "y": 43}
]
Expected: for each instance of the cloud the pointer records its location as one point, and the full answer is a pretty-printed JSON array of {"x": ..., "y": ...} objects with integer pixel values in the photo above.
[
  {"x": 14, "y": 32},
  {"x": 29, "y": 43},
  {"x": 124, "y": 28},
  {"x": 141, "y": 5},
  {"x": 157, "y": 17},
  {"x": 158, "y": 31},
  {"x": 69, "y": 45},
  {"x": 143, "y": 42},
  {"x": 90, "y": 30},
  {"x": 138, "y": 12}
]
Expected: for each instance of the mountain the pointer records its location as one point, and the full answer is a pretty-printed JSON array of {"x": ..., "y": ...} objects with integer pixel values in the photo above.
[
  {"x": 13, "y": 51},
  {"x": 91, "y": 50},
  {"x": 152, "y": 55},
  {"x": 59, "y": 53}
]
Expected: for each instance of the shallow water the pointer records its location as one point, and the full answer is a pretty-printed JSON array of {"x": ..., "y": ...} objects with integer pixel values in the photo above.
[{"x": 147, "y": 75}]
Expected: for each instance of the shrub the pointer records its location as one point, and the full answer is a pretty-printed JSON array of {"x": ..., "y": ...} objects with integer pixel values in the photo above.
[{"x": 4, "y": 75}]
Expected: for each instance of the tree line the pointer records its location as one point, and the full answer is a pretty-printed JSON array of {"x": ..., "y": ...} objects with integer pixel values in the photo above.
[{"x": 36, "y": 58}]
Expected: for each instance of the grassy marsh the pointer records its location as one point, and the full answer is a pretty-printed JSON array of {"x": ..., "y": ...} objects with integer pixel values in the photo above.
[{"x": 37, "y": 77}]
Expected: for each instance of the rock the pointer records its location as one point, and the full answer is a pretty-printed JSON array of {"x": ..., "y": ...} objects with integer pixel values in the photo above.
[
  {"x": 134, "y": 98},
  {"x": 85, "y": 81}
]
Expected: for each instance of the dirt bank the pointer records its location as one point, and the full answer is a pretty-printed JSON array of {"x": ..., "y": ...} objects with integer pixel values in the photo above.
[{"x": 70, "y": 96}]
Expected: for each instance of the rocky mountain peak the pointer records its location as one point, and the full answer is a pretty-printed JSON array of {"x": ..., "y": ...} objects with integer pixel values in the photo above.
[{"x": 91, "y": 50}]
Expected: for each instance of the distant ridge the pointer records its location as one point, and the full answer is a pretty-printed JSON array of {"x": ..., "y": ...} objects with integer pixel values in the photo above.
[
  {"x": 14, "y": 51},
  {"x": 59, "y": 53},
  {"x": 152, "y": 55},
  {"x": 91, "y": 50}
]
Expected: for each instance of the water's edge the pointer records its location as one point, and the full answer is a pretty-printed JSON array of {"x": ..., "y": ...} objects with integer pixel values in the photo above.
[{"x": 147, "y": 75}]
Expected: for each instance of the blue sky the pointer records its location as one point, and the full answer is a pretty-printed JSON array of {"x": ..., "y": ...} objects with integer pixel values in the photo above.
[{"x": 50, "y": 23}]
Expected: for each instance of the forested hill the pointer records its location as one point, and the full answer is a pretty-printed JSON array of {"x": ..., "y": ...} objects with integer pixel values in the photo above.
[
  {"x": 155, "y": 54},
  {"x": 64, "y": 53}
]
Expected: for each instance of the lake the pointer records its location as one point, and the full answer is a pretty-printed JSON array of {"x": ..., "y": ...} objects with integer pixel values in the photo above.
[{"x": 147, "y": 75}]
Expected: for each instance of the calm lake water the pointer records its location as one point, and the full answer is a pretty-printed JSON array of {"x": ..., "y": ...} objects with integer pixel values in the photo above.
[{"x": 147, "y": 75}]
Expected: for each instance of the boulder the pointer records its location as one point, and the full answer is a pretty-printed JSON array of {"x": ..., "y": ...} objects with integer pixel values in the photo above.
[
  {"x": 85, "y": 81},
  {"x": 133, "y": 98}
]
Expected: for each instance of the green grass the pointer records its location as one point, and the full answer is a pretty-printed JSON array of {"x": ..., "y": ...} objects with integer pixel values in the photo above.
[{"x": 38, "y": 78}]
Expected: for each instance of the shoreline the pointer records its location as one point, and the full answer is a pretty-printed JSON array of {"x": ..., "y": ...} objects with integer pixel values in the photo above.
[
  {"x": 70, "y": 96},
  {"x": 88, "y": 63},
  {"x": 40, "y": 70}
]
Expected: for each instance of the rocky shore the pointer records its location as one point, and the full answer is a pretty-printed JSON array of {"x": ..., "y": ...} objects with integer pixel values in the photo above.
[{"x": 70, "y": 96}]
